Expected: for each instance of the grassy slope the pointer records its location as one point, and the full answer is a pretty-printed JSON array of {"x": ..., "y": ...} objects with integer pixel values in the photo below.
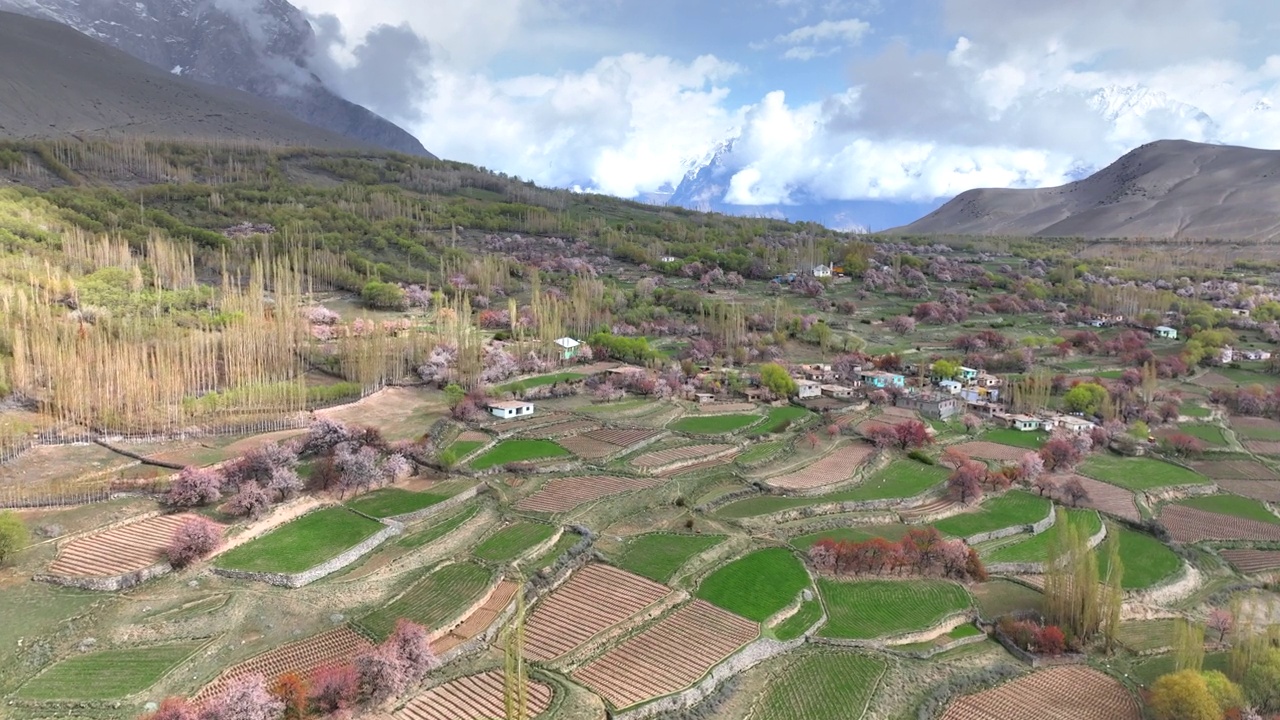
[
  {"x": 1139, "y": 473},
  {"x": 1012, "y": 508},
  {"x": 1147, "y": 561},
  {"x": 517, "y": 450},
  {"x": 1034, "y": 549},
  {"x": 106, "y": 675},
  {"x": 713, "y": 424},
  {"x": 866, "y": 609},
  {"x": 901, "y": 479},
  {"x": 512, "y": 541},
  {"x": 394, "y": 501}
]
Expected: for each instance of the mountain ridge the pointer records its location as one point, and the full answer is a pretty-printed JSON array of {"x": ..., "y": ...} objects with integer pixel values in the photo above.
[
  {"x": 1165, "y": 189},
  {"x": 268, "y": 55}
]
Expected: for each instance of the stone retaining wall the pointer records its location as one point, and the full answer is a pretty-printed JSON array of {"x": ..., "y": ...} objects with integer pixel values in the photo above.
[
  {"x": 669, "y": 467},
  {"x": 727, "y": 498},
  {"x": 1178, "y": 492},
  {"x": 297, "y": 580},
  {"x": 440, "y": 507},
  {"x": 831, "y": 522},
  {"x": 1035, "y": 568},
  {"x": 1176, "y": 588},
  {"x": 108, "y": 584},
  {"x": 836, "y": 508},
  {"x": 943, "y": 626},
  {"x": 926, "y": 654}
]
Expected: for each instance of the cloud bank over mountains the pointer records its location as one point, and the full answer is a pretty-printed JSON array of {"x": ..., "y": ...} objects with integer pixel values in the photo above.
[{"x": 802, "y": 101}]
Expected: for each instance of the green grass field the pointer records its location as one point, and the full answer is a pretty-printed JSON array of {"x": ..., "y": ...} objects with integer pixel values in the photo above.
[
  {"x": 804, "y": 618},
  {"x": 759, "y": 451},
  {"x": 781, "y": 417},
  {"x": 1148, "y": 669},
  {"x": 463, "y": 448},
  {"x": 1016, "y": 438},
  {"x": 388, "y": 502},
  {"x": 433, "y": 600},
  {"x": 1194, "y": 410},
  {"x": 1147, "y": 635},
  {"x": 425, "y": 534},
  {"x": 1147, "y": 561},
  {"x": 850, "y": 534},
  {"x": 302, "y": 543},
  {"x": 533, "y": 382},
  {"x": 866, "y": 609},
  {"x": 901, "y": 479},
  {"x": 1001, "y": 597},
  {"x": 1233, "y": 505},
  {"x": 1012, "y": 508},
  {"x": 106, "y": 675},
  {"x": 1210, "y": 434},
  {"x": 512, "y": 541},
  {"x": 1138, "y": 473},
  {"x": 659, "y": 555},
  {"x": 713, "y": 424},
  {"x": 1035, "y": 548},
  {"x": 823, "y": 685},
  {"x": 757, "y": 585},
  {"x": 509, "y": 451}
]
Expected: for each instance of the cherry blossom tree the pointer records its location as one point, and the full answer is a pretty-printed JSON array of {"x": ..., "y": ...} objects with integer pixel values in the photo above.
[
  {"x": 251, "y": 502},
  {"x": 173, "y": 708},
  {"x": 334, "y": 688},
  {"x": 1221, "y": 620},
  {"x": 965, "y": 482},
  {"x": 323, "y": 435},
  {"x": 903, "y": 324},
  {"x": 193, "y": 487},
  {"x": 412, "y": 646},
  {"x": 1030, "y": 467},
  {"x": 194, "y": 539},
  {"x": 381, "y": 674},
  {"x": 246, "y": 698}
]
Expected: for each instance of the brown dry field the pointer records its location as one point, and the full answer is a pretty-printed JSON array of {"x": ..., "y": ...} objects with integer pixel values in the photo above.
[
  {"x": 400, "y": 413},
  {"x": 1107, "y": 498},
  {"x": 1263, "y": 447},
  {"x": 565, "y": 494},
  {"x": 659, "y": 458},
  {"x": 1264, "y": 490},
  {"x": 567, "y": 427},
  {"x": 985, "y": 450},
  {"x": 833, "y": 468},
  {"x": 1254, "y": 423},
  {"x": 1234, "y": 470},
  {"x": 474, "y": 697},
  {"x": 45, "y": 467},
  {"x": 1252, "y": 561},
  {"x": 336, "y": 646},
  {"x": 725, "y": 408},
  {"x": 668, "y": 656},
  {"x": 120, "y": 550},
  {"x": 1186, "y": 524},
  {"x": 596, "y": 598},
  {"x": 479, "y": 620},
  {"x": 1070, "y": 692}
]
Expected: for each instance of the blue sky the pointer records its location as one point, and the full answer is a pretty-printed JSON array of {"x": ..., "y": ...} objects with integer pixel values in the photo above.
[{"x": 864, "y": 102}]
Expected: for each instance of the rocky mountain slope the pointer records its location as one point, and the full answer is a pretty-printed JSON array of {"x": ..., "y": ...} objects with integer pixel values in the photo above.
[
  {"x": 1165, "y": 189},
  {"x": 56, "y": 82},
  {"x": 263, "y": 47}
]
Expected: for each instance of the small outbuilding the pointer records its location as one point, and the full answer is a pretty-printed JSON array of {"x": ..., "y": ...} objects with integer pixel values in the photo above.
[
  {"x": 1166, "y": 332},
  {"x": 509, "y": 409},
  {"x": 568, "y": 348}
]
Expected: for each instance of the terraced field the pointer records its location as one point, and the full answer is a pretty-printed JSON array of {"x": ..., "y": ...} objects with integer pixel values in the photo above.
[
  {"x": 822, "y": 685},
  {"x": 1139, "y": 473},
  {"x": 758, "y": 585},
  {"x": 594, "y": 599},
  {"x": 835, "y": 467},
  {"x": 388, "y": 502},
  {"x": 120, "y": 550},
  {"x": 662, "y": 458},
  {"x": 1264, "y": 490},
  {"x": 334, "y": 647},
  {"x": 1187, "y": 524},
  {"x": 513, "y": 541},
  {"x": 668, "y": 656},
  {"x": 868, "y": 609},
  {"x": 984, "y": 450},
  {"x": 432, "y": 601},
  {"x": 302, "y": 543},
  {"x": 565, "y": 494},
  {"x": 1234, "y": 506},
  {"x": 478, "y": 621},
  {"x": 1008, "y": 510},
  {"x": 1235, "y": 470},
  {"x": 1253, "y": 561},
  {"x": 474, "y": 697},
  {"x": 1036, "y": 548},
  {"x": 107, "y": 674},
  {"x": 1070, "y": 692},
  {"x": 713, "y": 424},
  {"x": 658, "y": 556},
  {"x": 517, "y": 450},
  {"x": 1146, "y": 635},
  {"x": 902, "y": 479},
  {"x": 1105, "y": 497}
]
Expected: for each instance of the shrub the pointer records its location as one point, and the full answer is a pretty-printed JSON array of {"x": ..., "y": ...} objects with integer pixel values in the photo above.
[
  {"x": 193, "y": 487},
  {"x": 193, "y": 540},
  {"x": 384, "y": 296},
  {"x": 922, "y": 457},
  {"x": 13, "y": 535}
]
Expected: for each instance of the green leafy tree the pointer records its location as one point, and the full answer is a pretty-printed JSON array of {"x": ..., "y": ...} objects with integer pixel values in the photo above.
[
  {"x": 946, "y": 369},
  {"x": 1188, "y": 645},
  {"x": 776, "y": 378},
  {"x": 1227, "y": 694},
  {"x": 1085, "y": 398},
  {"x": 1262, "y": 681},
  {"x": 13, "y": 535},
  {"x": 1183, "y": 695},
  {"x": 454, "y": 394}
]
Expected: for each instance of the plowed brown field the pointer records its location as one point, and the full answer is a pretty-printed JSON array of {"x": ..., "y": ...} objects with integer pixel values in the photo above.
[
  {"x": 1264, "y": 490},
  {"x": 596, "y": 598},
  {"x": 668, "y": 656},
  {"x": 335, "y": 647},
  {"x": 474, "y": 697},
  {"x": 985, "y": 450},
  {"x": 476, "y": 623},
  {"x": 560, "y": 429},
  {"x": 661, "y": 458},
  {"x": 1234, "y": 470},
  {"x": 831, "y": 469},
  {"x": 565, "y": 494},
  {"x": 1187, "y": 524},
  {"x": 1069, "y": 692},
  {"x": 1105, "y": 497},
  {"x": 1251, "y": 561},
  {"x": 120, "y": 550}
]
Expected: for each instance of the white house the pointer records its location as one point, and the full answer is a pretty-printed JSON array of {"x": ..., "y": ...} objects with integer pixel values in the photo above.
[
  {"x": 667, "y": 258},
  {"x": 1164, "y": 331},
  {"x": 508, "y": 409},
  {"x": 808, "y": 389},
  {"x": 1226, "y": 355},
  {"x": 1255, "y": 354},
  {"x": 568, "y": 348},
  {"x": 950, "y": 386},
  {"x": 822, "y": 271},
  {"x": 1025, "y": 423}
]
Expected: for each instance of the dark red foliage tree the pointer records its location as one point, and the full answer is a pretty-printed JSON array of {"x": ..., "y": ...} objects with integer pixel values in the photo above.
[
  {"x": 965, "y": 482},
  {"x": 912, "y": 434},
  {"x": 1059, "y": 454},
  {"x": 1051, "y": 641},
  {"x": 292, "y": 690}
]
